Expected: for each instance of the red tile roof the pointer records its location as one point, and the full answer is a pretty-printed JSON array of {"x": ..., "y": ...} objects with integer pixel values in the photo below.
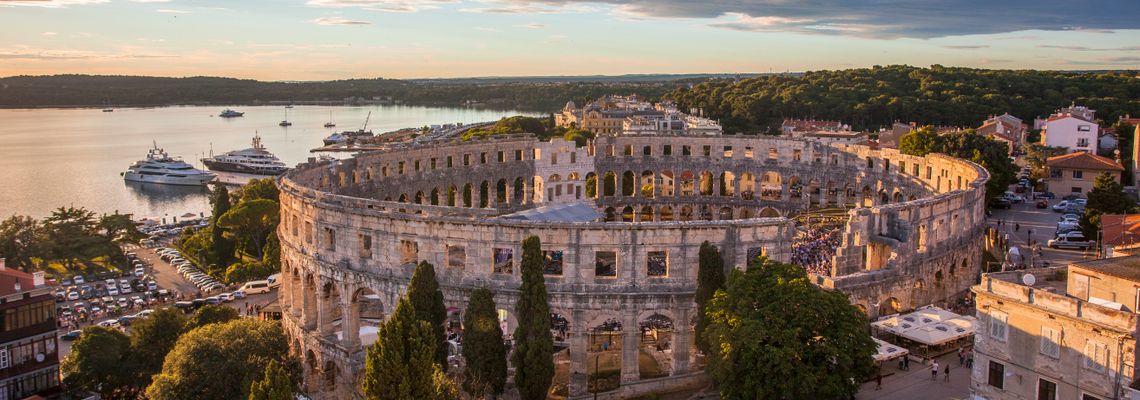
[
  {"x": 1082, "y": 160},
  {"x": 9, "y": 277},
  {"x": 1120, "y": 229}
]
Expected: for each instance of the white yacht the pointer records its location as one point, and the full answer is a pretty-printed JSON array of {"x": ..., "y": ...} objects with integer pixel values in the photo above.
[
  {"x": 255, "y": 160},
  {"x": 158, "y": 167}
]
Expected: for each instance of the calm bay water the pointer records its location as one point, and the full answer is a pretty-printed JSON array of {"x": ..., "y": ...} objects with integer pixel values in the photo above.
[{"x": 58, "y": 157}]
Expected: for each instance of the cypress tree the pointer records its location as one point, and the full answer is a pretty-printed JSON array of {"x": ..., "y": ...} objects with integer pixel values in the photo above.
[
  {"x": 221, "y": 248},
  {"x": 533, "y": 356},
  {"x": 276, "y": 384},
  {"x": 486, "y": 372},
  {"x": 427, "y": 301},
  {"x": 399, "y": 365},
  {"x": 710, "y": 278}
]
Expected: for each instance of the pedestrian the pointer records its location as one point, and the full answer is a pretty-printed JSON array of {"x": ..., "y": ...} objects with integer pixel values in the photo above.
[
  {"x": 946, "y": 374},
  {"x": 934, "y": 371},
  {"x": 879, "y": 380},
  {"x": 1016, "y": 227},
  {"x": 970, "y": 359},
  {"x": 901, "y": 364},
  {"x": 906, "y": 363},
  {"x": 961, "y": 356}
]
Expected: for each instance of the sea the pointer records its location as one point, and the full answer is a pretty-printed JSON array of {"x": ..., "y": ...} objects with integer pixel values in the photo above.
[{"x": 51, "y": 158}]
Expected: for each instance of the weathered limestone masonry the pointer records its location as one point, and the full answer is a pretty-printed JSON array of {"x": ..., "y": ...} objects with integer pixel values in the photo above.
[{"x": 352, "y": 231}]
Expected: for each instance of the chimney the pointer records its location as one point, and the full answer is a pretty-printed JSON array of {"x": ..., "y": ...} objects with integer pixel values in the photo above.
[
  {"x": 2, "y": 266},
  {"x": 17, "y": 285}
]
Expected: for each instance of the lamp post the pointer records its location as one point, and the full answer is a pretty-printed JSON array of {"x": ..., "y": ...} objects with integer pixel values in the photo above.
[{"x": 596, "y": 358}]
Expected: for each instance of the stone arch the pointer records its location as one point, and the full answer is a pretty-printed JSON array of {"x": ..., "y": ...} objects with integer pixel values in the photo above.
[
  {"x": 666, "y": 213},
  {"x": 366, "y": 311},
  {"x": 538, "y": 189},
  {"x": 688, "y": 183},
  {"x": 330, "y": 306},
  {"x": 328, "y": 375},
  {"x": 420, "y": 197},
  {"x": 706, "y": 183},
  {"x": 610, "y": 214},
  {"x": 609, "y": 184},
  {"x": 309, "y": 300},
  {"x": 771, "y": 186},
  {"x": 725, "y": 213},
  {"x": 898, "y": 196},
  {"x": 746, "y": 213},
  {"x": 769, "y": 212},
  {"x": 627, "y": 214},
  {"x": 647, "y": 188},
  {"x": 851, "y": 195},
  {"x": 727, "y": 184},
  {"x": 867, "y": 200},
  {"x": 816, "y": 196},
  {"x": 645, "y": 213},
  {"x": 747, "y": 185},
  {"x": 403, "y": 198},
  {"x": 517, "y": 194},
  {"x": 434, "y": 196},
  {"x": 502, "y": 191},
  {"x": 686, "y": 213},
  {"x": 592, "y": 185},
  {"x": 668, "y": 183},
  {"x": 862, "y": 308},
  {"x": 628, "y": 184},
  {"x": 795, "y": 188},
  {"x": 706, "y": 212},
  {"x": 467, "y": 195},
  {"x": 485, "y": 194},
  {"x": 452, "y": 193},
  {"x": 884, "y": 198},
  {"x": 889, "y": 306},
  {"x": 655, "y": 357}
]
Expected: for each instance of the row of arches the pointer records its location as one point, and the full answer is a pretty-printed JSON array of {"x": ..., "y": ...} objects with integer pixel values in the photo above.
[{"x": 666, "y": 213}]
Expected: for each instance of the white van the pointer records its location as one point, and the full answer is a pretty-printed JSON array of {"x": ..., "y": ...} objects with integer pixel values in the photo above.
[
  {"x": 255, "y": 287},
  {"x": 274, "y": 280}
]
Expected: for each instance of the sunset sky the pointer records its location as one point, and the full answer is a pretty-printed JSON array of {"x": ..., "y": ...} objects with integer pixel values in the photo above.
[{"x": 335, "y": 39}]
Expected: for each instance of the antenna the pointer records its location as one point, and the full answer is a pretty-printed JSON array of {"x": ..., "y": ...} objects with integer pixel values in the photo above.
[{"x": 1029, "y": 279}]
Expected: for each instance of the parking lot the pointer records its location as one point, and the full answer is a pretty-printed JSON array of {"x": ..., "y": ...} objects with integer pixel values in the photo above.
[
  {"x": 1023, "y": 222},
  {"x": 166, "y": 279}
]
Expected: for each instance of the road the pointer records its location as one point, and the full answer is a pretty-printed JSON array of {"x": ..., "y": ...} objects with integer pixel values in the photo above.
[{"x": 1023, "y": 220}]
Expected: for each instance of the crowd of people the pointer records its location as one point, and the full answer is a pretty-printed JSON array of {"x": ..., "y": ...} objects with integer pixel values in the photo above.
[{"x": 813, "y": 249}]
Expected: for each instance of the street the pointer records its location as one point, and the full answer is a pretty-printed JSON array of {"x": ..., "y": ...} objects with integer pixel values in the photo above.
[{"x": 1023, "y": 221}]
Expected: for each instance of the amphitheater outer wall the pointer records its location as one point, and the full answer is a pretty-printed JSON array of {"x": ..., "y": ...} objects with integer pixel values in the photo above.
[{"x": 353, "y": 230}]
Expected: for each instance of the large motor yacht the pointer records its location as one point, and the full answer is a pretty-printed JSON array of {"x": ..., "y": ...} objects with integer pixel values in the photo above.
[
  {"x": 158, "y": 167},
  {"x": 255, "y": 160},
  {"x": 228, "y": 113}
]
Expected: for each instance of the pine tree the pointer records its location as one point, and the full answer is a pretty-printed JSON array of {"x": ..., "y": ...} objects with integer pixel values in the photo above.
[
  {"x": 1106, "y": 197},
  {"x": 399, "y": 365},
  {"x": 221, "y": 248},
  {"x": 427, "y": 300},
  {"x": 486, "y": 372},
  {"x": 533, "y": 361},
  {"x": 276, "y": 384},
  {"x": 710, "y": 278}
]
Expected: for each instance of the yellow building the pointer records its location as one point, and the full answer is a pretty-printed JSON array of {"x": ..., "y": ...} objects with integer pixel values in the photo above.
[
  {"x": 1076, "y": 172},
  {"x": 1057, "y": 333}
]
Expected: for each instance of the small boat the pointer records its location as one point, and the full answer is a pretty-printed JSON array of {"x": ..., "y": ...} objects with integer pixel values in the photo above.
[
  {"x": 330, "y": 124},
  {"x": 228, "y": 113},
  {"x": 289, "y": 106},
  {"x": 285, "y": 122},
  {"x": 108, "y": 110},
  {"x": 107, "y": 107},
  {"x": 341, "y": 137}
]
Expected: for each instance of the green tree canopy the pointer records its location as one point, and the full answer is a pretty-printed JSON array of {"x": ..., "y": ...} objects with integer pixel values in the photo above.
[
  {"x": 427, "y": 300},
  {"x": 219, "y": 361},
  {"x": 485, "y": 374},
  {"x": 990, "y": 154},
  {"x": 221, "y": 247},
  {"x": 710, "y": 278},
  {"x": 120, "y": 228},
  {"x": 100, "y": 362},
  {"x": 271, "y": 254},
  {"x": 275, "y": 385},
  {"x": 400, "y": 366},
  {"x": 245, "y": 271},
  {"x": 211, "y": 314},
  {"x": 534, "y": 366},
  {"x": 151, "y": 339},
  {"x": 251, "y": 222},
  {"x": 260, "y": 189},
  {"x": 777, "y": 336},
  {"x": 920, "y": 142},
  {"x": 1106, "y": 197},
  {"x": 74, "y": 234},
  {"x": 22, "y": 240}
]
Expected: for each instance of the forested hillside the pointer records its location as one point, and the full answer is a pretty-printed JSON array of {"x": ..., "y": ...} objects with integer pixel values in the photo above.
[
  {"x": 873, "y": 97},
  {"x": 89, "y": 90}
]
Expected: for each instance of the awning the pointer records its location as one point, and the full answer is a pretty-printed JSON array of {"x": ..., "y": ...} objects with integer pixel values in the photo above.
[
  {"x": 887, "y": 351},
  {"x": 929, "y": 325}
]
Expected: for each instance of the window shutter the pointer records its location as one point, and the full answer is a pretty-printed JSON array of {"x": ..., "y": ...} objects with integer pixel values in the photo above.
[{"x": 3, "y": 358}]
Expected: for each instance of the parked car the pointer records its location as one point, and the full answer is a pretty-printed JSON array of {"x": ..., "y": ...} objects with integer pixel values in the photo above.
[
  {"x": 1042, "y": 204},
  {"x": 226, "y": 297},
  {"x": 1070, "y": 217},
  {"x": 255, "y": 287},
  {"x": 1000, "y": 203},
  {"x": 72, "y": 335},
  {"x": 1013, "y": 197},
  {"x": 1070, "y": 242},
  {"x": 78, "y": 279},
  {"x": 238, "y": 294},
  {"x": 1061, "y": 206}
]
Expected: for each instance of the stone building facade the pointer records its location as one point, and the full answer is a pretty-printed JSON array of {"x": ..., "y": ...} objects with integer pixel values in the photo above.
[{"x": 352, "y": 231}]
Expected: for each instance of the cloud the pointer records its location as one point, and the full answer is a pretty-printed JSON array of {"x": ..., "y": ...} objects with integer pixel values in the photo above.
[
  {"x": 966, "y": 46},
  {"x": 49, "y": 3},
  {"x": 339, "y": 21},
  {"x": 1086, "y": 48},
  {"x": 170, "y": 11},
  {"x": 150, "y": 1},
  {"x": 532, "y": 26},
  {"x": 49, "y": 34},
  {"x": 884, "y": 19},
  {"x": 379, "y": 5},
  {"x": 52, "y": 55}
]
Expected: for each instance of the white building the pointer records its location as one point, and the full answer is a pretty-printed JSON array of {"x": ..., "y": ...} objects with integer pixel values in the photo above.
[{"x": 1071, "y": 131}]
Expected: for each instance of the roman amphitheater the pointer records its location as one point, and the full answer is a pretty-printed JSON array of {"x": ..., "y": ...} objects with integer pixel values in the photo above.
[{"x": 621, "y": 220}]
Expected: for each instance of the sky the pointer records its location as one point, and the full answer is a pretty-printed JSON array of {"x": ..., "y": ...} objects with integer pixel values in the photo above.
[{"x": 340, "y": 39}]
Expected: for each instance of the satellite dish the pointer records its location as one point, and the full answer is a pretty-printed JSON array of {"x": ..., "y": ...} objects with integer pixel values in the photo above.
[
  {"x": 1029, "y": 279},
  {"x": 39, "y": 357}
]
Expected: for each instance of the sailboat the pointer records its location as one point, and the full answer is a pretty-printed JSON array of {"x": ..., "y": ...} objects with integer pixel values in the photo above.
[
  {"x": 330, "y": 124},
  {"x": 285, "y": 122},
  {"x": 107, "y": 106}
]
